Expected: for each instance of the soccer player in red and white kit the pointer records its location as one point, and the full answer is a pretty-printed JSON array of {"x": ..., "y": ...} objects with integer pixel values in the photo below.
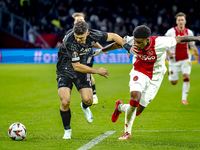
[
  {"x": 147, "y": 72},
  {"x": 179, "y": 56}
]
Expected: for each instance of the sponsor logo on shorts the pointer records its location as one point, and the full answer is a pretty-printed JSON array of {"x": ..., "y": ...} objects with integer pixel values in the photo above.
[
  {"x": 135, "y": 78},
  {"x": 88, "y": 78}
]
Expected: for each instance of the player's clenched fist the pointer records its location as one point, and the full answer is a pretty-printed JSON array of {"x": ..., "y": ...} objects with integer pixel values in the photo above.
[{"x": 103, "y": 72}]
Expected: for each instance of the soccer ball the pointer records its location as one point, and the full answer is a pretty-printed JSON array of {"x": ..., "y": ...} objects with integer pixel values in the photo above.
[{"x": 17, "y": 131}]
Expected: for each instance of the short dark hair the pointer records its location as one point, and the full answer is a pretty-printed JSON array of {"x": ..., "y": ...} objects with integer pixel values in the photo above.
[
  {"x": 80, "y": 27},
  {"x": 141, "y": 32}
]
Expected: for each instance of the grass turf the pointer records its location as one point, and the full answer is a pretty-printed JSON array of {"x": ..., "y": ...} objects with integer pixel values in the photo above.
[{"x": 28, "y": 94}]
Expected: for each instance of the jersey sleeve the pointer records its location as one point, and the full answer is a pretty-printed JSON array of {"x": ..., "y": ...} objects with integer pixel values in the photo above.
[
  {"x": 170, "y": 32},
  {"x": 104, "y": 37},
  {"x": 129, "y": 40},
  {"x": 97, "y": 35},
  {"x": 164, "y": 43},
  {"x": 190, "y": 33}
]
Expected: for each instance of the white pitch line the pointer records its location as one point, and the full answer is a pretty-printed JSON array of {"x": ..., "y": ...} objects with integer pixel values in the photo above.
[{"x": 96, "y": 140}]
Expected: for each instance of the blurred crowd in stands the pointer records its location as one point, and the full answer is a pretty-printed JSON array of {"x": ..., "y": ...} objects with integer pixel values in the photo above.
[{"x": 118, "y": 16}]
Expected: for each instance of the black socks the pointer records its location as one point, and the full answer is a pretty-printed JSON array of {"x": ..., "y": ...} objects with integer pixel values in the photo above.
[
  {"x": 84, "y": 105},
  {"x": 94, "y": 89},
  {"x": 66, "y": 117}
]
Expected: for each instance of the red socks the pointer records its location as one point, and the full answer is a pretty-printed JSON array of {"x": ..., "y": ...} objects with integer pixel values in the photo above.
[{"x": 134, "y": 103}]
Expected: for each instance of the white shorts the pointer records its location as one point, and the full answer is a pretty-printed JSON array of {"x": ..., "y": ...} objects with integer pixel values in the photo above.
[
  {"x": 148, "y": 88},
  {"x": 175, "y": 67}
]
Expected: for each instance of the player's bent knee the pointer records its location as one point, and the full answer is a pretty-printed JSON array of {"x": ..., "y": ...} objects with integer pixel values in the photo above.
[
  {"x": 88, "y": 101},
  {"x": 65, "y": 103}
]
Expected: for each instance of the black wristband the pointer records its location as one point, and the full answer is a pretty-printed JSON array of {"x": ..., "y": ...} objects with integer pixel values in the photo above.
[{"x": 127, "y": 47}]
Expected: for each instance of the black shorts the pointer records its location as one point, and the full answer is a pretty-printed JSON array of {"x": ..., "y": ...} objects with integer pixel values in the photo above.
[{"x": 83, "y": 81}]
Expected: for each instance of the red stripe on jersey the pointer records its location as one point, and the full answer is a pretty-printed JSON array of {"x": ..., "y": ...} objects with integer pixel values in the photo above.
[
  {"x": 146, "y": 59},
  {"x": 182, "y": 48}
]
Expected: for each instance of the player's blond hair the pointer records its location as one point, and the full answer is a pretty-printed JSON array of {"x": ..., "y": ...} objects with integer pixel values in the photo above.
[
  {"x": 78, "y": 14},
  {"x": 180, "y": 14}
]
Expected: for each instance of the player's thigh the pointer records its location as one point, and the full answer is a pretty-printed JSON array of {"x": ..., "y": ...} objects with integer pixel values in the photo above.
[
  {"x": 150, "y": 91},
  {"x": 64, "y": 88},
  {"x": 64, "y": 94},
  {"x": 173, "y": 72},
  {"x": 92, "y": 80},
  {"x": 186, "y": 67},
  {"x": 137, "y": 81}
]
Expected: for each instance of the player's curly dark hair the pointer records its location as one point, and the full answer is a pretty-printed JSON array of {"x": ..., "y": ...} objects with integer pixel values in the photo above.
[
  {"x": 80, "y": 27},
  {"x": 141, "y": 32}
]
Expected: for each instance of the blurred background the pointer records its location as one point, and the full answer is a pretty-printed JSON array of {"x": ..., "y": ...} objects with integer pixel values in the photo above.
[{"x": 43, "y": 23}]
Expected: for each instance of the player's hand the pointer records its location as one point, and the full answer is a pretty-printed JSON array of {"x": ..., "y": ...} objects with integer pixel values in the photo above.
[
  {"x": 129, "y": 56},
  {"x": 106, "y": 52},
  {"x": 103, "y": 72},
  {"x": 134, "y": 50},
  {"x": 97, "y": 52}
]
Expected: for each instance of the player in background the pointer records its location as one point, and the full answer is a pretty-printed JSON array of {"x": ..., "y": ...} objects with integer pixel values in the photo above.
[
  {"x": 71, "y": 68},
  {"x": 147, "y": 72},
  {"x": 179, "y": 56}
]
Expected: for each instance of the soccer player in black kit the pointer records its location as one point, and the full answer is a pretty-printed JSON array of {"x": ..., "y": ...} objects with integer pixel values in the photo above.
[
  {"x": 79, "y": 16},
  {"x": 71, "y": 68}
]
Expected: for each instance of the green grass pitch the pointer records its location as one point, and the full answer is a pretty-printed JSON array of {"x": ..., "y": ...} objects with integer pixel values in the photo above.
[{"x": 28, "y": 94}]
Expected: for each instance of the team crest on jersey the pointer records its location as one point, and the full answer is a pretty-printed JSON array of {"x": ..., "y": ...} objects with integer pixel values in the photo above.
[
  {"x": 135, "y": 78},
  {"x": 150, "y": 52},
  {"x": 74, "y": 54}
]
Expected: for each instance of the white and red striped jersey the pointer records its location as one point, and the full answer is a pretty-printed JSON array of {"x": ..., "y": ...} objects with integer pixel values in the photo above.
[
  {"x": 181, "y": 51},
  {"x": 151, "y": 60}
]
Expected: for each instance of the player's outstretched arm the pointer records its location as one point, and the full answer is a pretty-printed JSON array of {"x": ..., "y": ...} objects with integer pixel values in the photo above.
[
  {"x": 107, "y": 48},
  {"x": 118, "y": 39},
  {"x": 98, "y": 45},
  {"x": 180, "y": 39},
  {"x": 85, "y": 69}
]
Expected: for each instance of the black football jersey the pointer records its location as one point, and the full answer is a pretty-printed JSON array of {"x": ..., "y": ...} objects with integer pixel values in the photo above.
[{"x": 71, "y": 51}]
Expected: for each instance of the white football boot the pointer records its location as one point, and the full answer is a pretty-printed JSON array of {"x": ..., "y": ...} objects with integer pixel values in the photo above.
[
  {"x": 95, "y": 99},
  {"x": 88, "y": 114},
  {"x": 68, "y": 134}
]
